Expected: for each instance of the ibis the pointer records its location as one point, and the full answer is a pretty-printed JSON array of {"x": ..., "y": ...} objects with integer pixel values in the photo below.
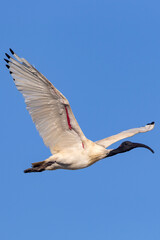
[{"x": 57, "y": 125}]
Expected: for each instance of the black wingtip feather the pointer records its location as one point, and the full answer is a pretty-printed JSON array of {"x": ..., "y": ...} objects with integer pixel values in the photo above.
[
  {"x": 7, "y": 55},
  {"x": 151, "y": 123},
  {"x": 7, "y": 66},
  {"x": 6, "y": 60},
  {"x": 11, "y": 51},
  {"x": 10, "y": 72}
]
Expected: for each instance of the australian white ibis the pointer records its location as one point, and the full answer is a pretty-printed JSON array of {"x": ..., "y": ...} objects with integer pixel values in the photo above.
[{"x": 54, "y": 119}]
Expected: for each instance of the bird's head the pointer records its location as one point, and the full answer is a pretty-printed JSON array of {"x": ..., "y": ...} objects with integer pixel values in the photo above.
[{"x": 127, "y": 146}]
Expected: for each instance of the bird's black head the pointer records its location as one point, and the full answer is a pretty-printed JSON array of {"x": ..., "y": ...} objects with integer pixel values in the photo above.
[{"x": 127, "y": 146}]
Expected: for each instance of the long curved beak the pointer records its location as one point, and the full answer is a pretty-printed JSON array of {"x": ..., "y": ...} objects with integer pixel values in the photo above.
[{"x": 135, "y": 145}]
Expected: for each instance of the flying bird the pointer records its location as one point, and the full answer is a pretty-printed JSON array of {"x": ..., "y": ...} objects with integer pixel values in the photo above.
[{"x": 54, "y": 119}]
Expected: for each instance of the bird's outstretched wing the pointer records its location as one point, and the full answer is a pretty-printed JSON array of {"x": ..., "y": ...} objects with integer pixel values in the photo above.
[
  {"x": 106, "y": 142},
  {"x": 49, "y": 109}
]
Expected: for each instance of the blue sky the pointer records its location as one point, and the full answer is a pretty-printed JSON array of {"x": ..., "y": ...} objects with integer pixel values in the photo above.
[{"x": 105, "y": 58}]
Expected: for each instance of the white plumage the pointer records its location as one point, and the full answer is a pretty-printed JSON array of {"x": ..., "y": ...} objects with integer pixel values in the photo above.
[{"x": 54, "y": 119}]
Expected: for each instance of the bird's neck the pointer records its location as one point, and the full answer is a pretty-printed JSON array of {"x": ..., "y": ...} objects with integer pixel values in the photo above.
[
  {"x": 113, "y": 152},
  {"x": 97, "y": 154}
]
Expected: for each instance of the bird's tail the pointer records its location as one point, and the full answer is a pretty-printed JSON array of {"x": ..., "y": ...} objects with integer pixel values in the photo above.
[
  {"x": 36, "y": 167},
  {"x": 39, "y": 166}
]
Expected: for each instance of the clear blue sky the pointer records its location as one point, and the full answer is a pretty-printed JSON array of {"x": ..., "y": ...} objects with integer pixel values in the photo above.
[{"x": 105, "y": 58}]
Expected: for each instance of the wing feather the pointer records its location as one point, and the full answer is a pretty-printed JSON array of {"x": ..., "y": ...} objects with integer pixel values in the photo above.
[
  {"x": 106, "y": 142},
  {"x": 46, "y": 105}
]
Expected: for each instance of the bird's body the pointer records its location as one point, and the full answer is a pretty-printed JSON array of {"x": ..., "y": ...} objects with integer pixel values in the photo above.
[
  {"x": 54, "y": 119},
  {"x": 77, "y": 157}
]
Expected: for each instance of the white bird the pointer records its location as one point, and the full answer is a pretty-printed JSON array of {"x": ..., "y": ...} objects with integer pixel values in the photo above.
[{"x": 54, "y": 119}]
